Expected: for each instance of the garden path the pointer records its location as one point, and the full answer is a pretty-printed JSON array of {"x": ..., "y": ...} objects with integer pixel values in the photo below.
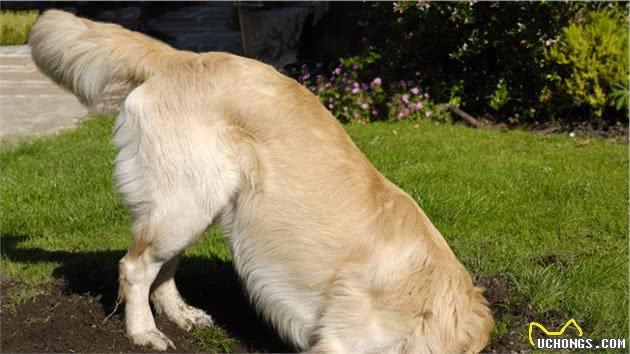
[{"x": 30, "y": 103}]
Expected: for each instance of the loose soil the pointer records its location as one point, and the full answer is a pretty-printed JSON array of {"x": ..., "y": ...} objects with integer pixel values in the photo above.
[
  {"x": 506, "y": 304},
  {"x": 68, "y": 315},
  {"x": 62, "y": 320}
]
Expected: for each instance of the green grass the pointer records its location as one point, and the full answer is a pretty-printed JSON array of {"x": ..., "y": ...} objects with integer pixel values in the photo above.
[
  {"x": 211, "y": 340},
  {"x": 505, "y": 202},
  {"x": 15, "y": 26}
]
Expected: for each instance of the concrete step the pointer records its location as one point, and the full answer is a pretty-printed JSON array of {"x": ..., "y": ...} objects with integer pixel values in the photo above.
[
  {"x": 30, "y": 103},
  {"x": 8, "y": 70},
  {"x": 38, "y": 90},
  {"x": 11, "y": 51},
  {"x": 38, "y": 115}
]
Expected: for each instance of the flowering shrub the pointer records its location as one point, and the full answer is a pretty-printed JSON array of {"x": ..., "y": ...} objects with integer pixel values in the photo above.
[
  {"x": 491, "y": 57},
  {"x": 516, "y": 62},
  {"x": 353, "y": 99},
  {"x": 407, "y": 101}
]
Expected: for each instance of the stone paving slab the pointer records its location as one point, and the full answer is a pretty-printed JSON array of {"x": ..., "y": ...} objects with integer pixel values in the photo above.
[{"x": 30, "y": 103}]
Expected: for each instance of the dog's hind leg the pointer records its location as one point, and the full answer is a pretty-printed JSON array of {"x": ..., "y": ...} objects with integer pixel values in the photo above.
[
  {"x": 159, "y": 240},
  {"x": 177, "y": 176},
  {"x": 167, "y": 300}
]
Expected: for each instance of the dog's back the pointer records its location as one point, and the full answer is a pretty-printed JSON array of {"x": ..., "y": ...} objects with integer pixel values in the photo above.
[{"x": 333, "y": 254}]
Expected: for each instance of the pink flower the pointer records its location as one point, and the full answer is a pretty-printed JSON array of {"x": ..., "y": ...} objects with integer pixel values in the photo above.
[
  {"x": 419, "y": 106},
  {"x": 365, "y": 106},
  {"x": 337, "y": 71},
  {"x": 330, "y": 105},
  {"x": 320, "y": 90},
  {"x": 355, "y": 115},
  {"x": 375, "y": 112},
  {"x": 399, "y": 116},
  {"x": 355, "y": 90},
  {"x": 327, "y": 85},
  {"x": 415, "y": 91},
  {"x": 426, "y": 95},
  {"x": 405, "y": 98},
  {"x": 376, "y": 82},
  {"x": 428, "y": 114},
  {"x": 417, "y": 73}
]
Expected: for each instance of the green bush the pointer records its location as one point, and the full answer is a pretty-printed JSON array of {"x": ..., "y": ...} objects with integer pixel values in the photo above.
[
  {"x": 594, "y": 56},
  {"x": 15, "y": 26},
  {"x": 492, "y": 58}
]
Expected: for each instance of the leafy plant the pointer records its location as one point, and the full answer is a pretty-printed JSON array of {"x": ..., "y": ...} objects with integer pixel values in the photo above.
[
  {"x": 501, "y": 96},
  {"x": 15, "y": 26},
  {"x": 619, "y": 95},
  {"x": 594, "y": 56}
]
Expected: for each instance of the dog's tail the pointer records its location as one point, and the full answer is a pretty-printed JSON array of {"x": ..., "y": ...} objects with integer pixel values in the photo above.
[{"x": 84, "y": 56}]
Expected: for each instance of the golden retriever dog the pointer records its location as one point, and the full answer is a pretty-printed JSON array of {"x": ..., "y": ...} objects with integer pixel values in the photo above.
[{"x": 337, "y": 258}]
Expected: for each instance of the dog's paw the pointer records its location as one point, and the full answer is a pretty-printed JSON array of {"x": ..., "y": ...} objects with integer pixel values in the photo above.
[
  {"x": 153, "y": 338},
  {"x": 188, "y": 317},
  {"x": 199, "y": 317}
]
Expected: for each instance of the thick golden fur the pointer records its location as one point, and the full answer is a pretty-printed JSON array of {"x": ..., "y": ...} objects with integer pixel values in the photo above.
[{"x": 334, "y": 255}]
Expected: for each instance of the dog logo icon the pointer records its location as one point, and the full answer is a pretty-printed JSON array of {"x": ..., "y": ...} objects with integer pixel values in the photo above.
[{"x": 550, "y": 333}]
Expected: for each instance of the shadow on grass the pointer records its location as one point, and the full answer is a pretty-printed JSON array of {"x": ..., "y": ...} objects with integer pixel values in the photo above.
[{"x": 206, "y": 283}]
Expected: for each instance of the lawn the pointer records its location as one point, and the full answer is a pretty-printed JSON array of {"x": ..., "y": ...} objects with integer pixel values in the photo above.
[{"x": 541, "y": 221}]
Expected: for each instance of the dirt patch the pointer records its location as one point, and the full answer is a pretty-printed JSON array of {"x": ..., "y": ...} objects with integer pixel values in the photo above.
[
  {"x": 501, "y": 296},
  {"x": 507, "y": 305},
  {"x": 552, "y": 259},
  {"x": 615, "y": 131},
  {"x": 61, "y": 321},
  {"x": 86, "y": 291}
]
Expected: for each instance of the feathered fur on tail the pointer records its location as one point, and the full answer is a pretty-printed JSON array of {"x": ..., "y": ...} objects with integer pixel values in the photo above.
[{"x": 84, "y": 56}]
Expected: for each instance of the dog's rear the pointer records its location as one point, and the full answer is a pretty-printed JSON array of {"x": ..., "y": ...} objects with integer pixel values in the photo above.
[{"x": 349, "y": 264}]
